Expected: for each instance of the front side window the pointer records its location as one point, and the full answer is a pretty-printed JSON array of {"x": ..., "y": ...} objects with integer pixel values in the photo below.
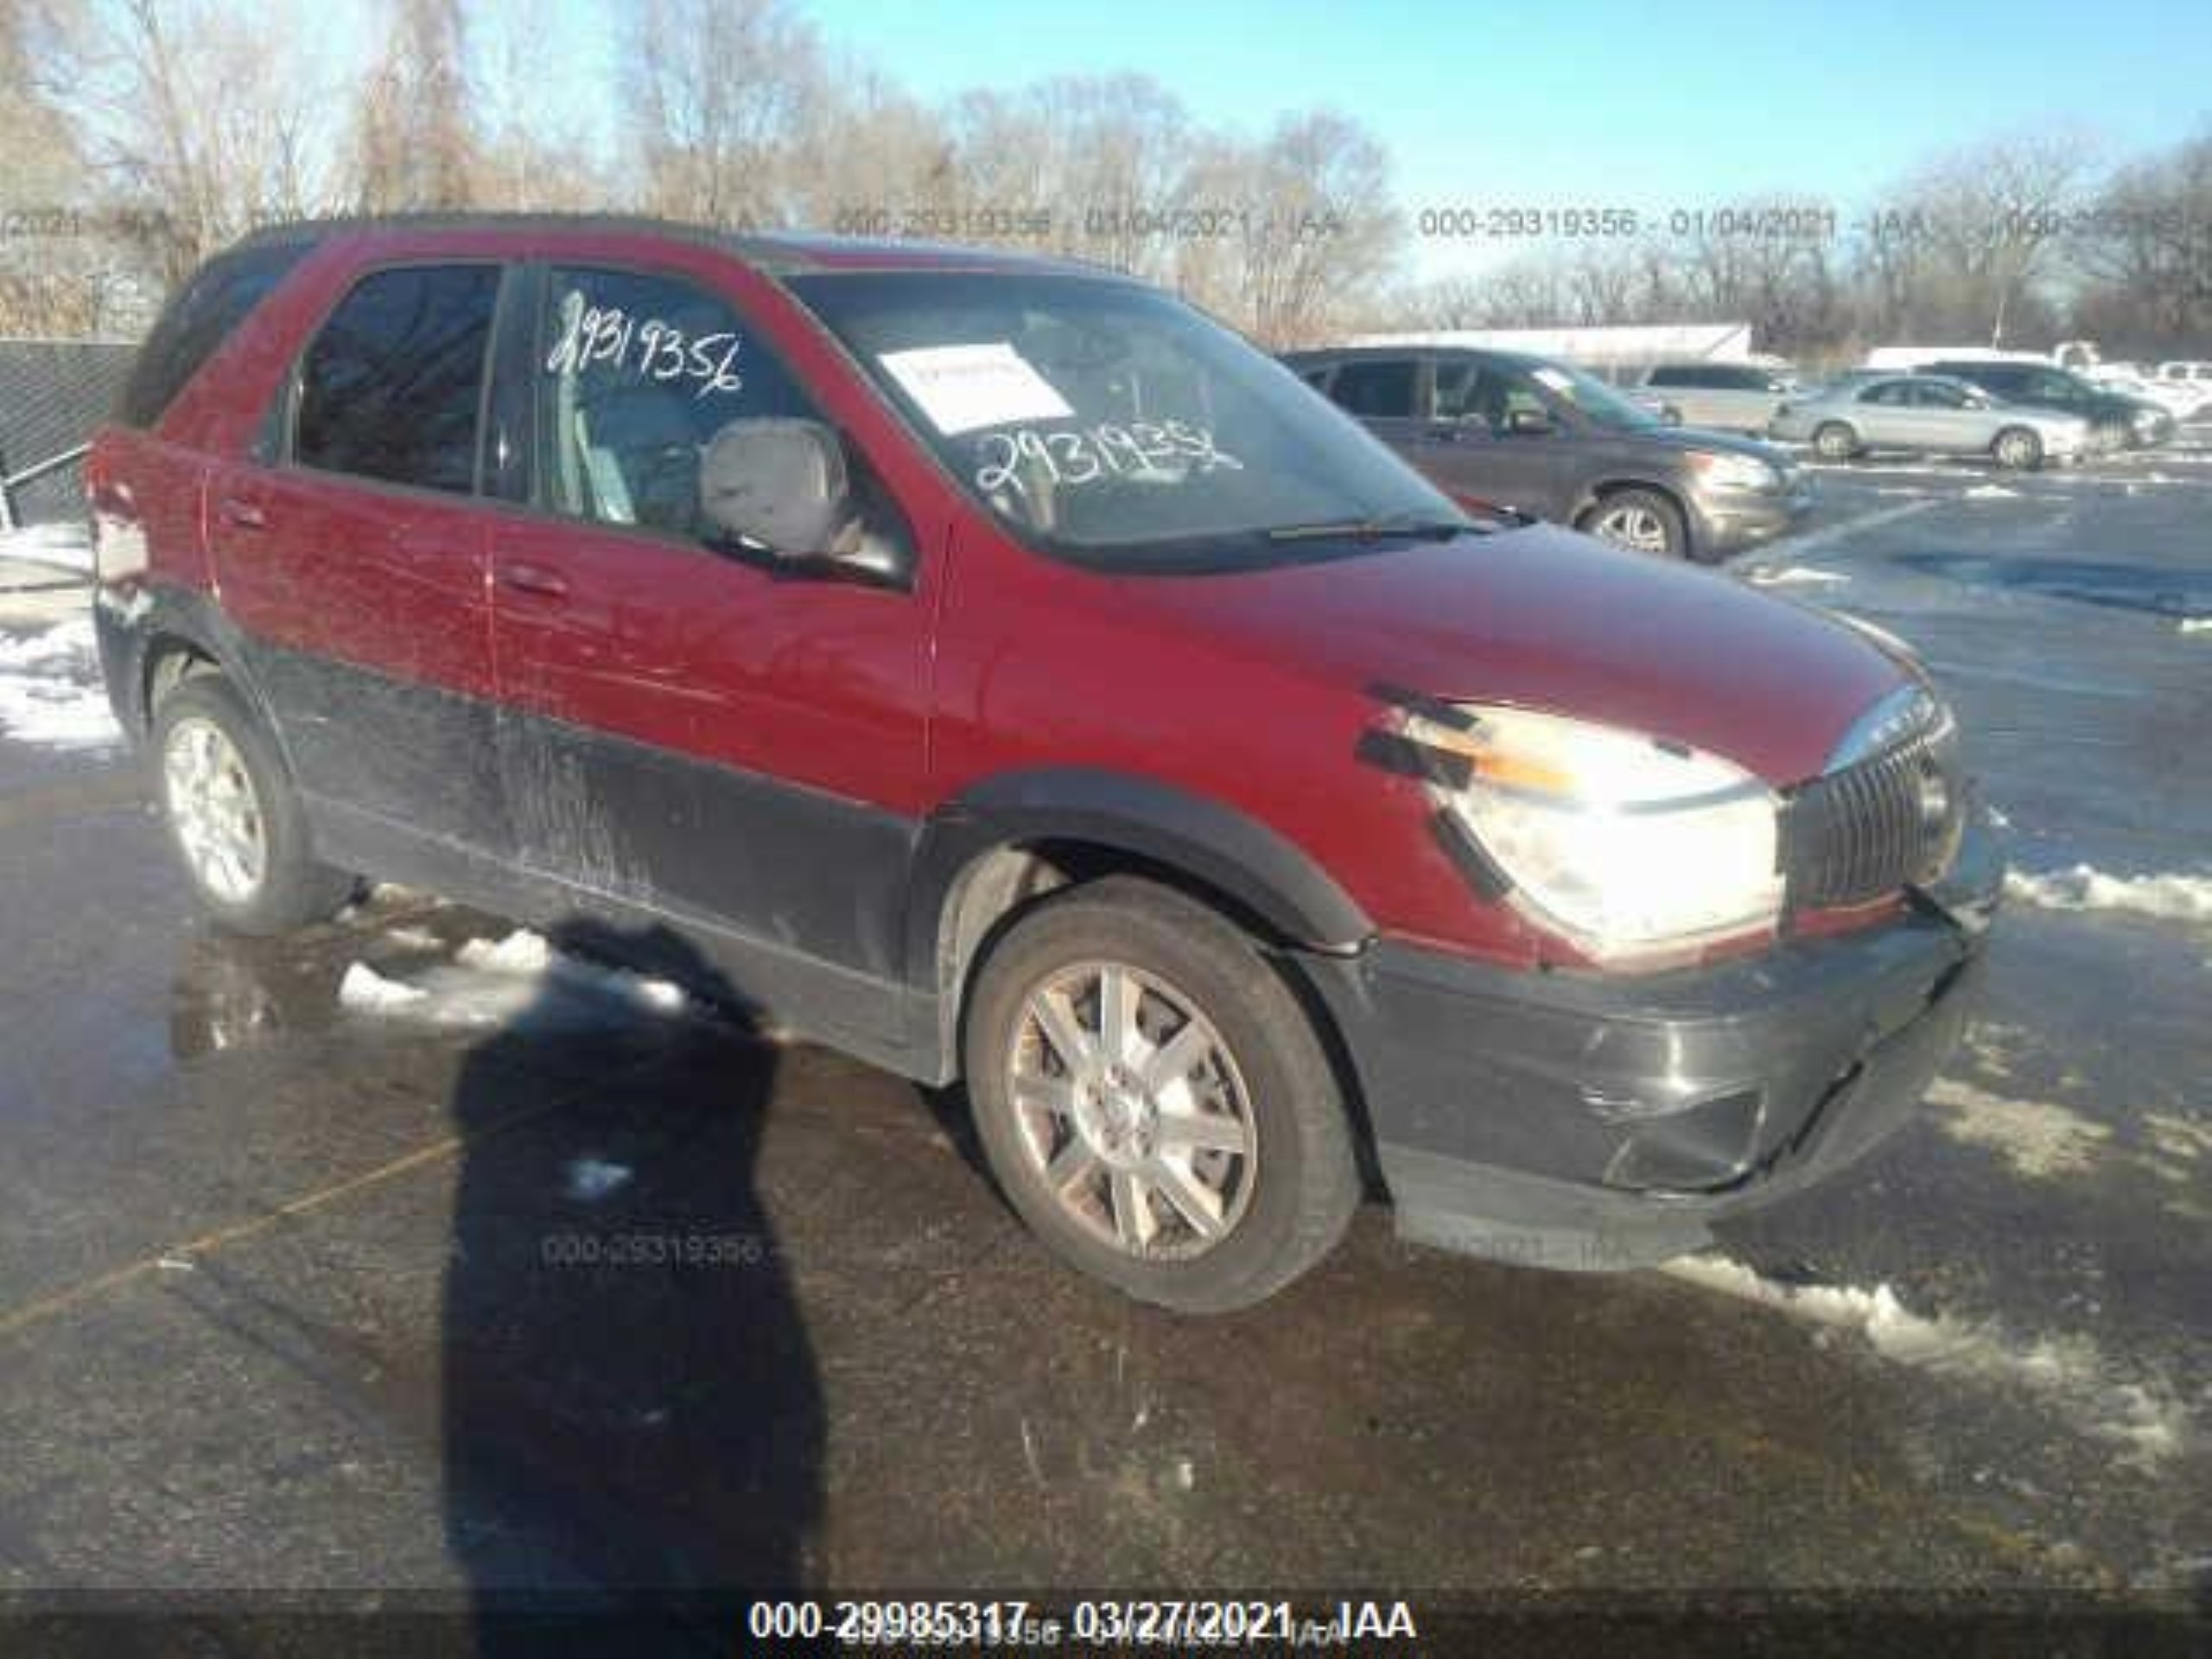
[
  {"x": 390, "y": 389},
  {"x": 1940, "y": 394},
  {"x": 1485, "y": 393},
  {"x": 1889, "y": 394},
  {"x": 637, "y": 373},
  {"x": 1111, "y": 423}
]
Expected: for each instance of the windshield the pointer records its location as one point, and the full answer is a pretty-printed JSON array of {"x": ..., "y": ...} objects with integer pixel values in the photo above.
[
  {"x": 1598, "y": 403},
  {"x": 1111, "y": 423}
]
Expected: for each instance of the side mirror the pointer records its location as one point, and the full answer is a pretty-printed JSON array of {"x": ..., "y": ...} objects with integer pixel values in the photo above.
[
  {"x": 1528, "y": 422},
  {"x": 778, "y": 484}
]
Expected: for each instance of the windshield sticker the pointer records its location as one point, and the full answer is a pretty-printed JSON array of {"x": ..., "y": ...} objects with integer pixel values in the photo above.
[
  {"x": 962, "y": 387},
  {"x": 1168, "y": 452},
  {"x": 651, "y": 349}
]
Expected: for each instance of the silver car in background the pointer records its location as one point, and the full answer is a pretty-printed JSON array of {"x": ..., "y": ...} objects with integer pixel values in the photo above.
[
  {"x": 1927, "y": 413},
  {"x": 1721, "y": 397}
]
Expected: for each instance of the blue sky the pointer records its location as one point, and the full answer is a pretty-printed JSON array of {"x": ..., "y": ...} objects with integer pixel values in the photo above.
[{"x": 1600, "y": 105}]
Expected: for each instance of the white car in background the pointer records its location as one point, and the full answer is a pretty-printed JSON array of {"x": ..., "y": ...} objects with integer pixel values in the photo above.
[
  {"x": 1723, "y": 396},
  {"x": 2192, "y": 374}
]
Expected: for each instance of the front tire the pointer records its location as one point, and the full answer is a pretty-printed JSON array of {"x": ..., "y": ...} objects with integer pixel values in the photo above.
[
  {"x": 233, "y": 816},
  {"x": 1154, "y": 1102},
  {"x": 1643, "y": 521},
  {"x": 1836, "y": 441},
  {"x": 2017, "y": 450}
]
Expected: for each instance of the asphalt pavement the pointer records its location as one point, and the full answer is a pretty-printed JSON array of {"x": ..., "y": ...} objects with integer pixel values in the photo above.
[{"x": 381, "y": 1261}]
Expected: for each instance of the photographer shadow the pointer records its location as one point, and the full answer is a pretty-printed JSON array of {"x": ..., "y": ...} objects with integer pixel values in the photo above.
[{"x": 631, "y": 1416}]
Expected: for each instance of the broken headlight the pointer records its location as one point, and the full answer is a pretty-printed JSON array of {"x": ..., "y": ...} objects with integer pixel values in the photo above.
[{"x": 1627, "y": 845}]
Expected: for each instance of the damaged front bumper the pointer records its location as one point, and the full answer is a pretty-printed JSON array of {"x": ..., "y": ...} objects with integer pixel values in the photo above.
[{"x": 1590, "y": 1121}]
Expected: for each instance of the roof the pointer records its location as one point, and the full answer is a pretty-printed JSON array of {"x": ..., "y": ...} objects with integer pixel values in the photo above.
[
  {"x": 779, "y": 252},
  {"x": 1636, "y": 343}
]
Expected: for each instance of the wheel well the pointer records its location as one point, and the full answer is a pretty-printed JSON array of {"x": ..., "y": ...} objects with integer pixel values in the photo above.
[
  {"x": 1602, "y": 493},
  {"x": 998, "y": 888},
  {"x": 171, "y": 659}
]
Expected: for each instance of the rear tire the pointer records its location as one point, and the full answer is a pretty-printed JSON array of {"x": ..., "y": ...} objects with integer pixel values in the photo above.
[
  {"x": 233, "y": 816},
  {"x": 1153, "y": 1101},
  {"x": 2017, "y": 450},
  {"x": 1834, "y": 440},
  {"x": 1644, "y": 521}
]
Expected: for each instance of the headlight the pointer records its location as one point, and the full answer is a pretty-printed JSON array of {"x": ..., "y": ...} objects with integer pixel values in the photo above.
[
  {"x": 1735, "y": 472},
  {"x": 1626, "y": 845}
]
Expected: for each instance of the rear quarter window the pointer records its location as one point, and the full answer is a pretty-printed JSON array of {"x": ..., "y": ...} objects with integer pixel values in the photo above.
[{"x": 200, "y": 316}]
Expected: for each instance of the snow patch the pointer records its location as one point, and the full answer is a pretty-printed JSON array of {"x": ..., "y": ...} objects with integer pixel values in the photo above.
[
  {"x": 367, "y": 991},
  {"x": 2067, "y": 1374},
  {"x": 67, "y": 546},
  {"x": 2195, "y": 624},
  {"x": 2084, "y": 887},
  {"x": 1991, "y": 492},
  {"x": 50, "y": 688},
  {"x": 2185, "y": 1138},
  {"x": 2039, "y": 1138},
  {"x": 590, "y": 1179},
  {"x": 519, "y": 979},
  {"x": 521, "y": 952},
  {"x": 1791, "y": 574}
]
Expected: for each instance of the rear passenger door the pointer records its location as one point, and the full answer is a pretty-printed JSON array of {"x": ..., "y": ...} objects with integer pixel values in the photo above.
[
  {"x": 350, "y": 550},
  {"x": 688, "y": 725}
]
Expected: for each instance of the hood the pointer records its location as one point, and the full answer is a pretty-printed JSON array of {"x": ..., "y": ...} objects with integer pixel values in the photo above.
[
  {"x": 1546, "y": 619},
  {"x": 1697, "y": 437}
]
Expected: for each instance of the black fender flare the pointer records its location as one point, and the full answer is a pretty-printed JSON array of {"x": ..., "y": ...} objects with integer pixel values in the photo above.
[
  {"x": 127, "y": 628},
  {"x": 1229, "y": 851}
]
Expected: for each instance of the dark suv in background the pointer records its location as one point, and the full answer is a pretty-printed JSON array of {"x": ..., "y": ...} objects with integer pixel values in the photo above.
[
  {"x": 2116, "y": 421},
  {"x": 1517, "y": 431}
]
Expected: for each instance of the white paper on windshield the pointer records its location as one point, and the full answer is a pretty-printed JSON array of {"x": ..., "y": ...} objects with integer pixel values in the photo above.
[
  {"x": 1553, "y": 379},
  {"x": 962, "y": 387}
]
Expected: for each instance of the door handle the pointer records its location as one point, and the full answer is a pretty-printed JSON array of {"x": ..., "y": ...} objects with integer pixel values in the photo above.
[
  {"x": 534, "y": 579},
  {"x": 243, "y": 515}
]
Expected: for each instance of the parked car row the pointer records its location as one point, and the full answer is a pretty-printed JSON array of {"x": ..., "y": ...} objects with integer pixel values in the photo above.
[{"x": 1508, "y": 429}]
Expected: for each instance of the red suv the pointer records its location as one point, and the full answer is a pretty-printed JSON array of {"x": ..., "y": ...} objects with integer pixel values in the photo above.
[{"x": 1003, "y": 673}]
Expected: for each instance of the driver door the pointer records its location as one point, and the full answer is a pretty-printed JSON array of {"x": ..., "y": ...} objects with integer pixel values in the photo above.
[
  {"x": 1471, "y": 444},
  {"x": 686, "y": 724}
]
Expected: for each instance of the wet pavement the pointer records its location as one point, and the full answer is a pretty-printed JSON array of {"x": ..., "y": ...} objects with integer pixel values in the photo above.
[{"x": 505, "y": 1278}]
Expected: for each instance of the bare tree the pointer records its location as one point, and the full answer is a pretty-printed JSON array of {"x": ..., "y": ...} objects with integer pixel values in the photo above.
[
  {"x": 414, "y": 145},
  {"x": 527, "y": 151},
  {"x": 718, "y": 94},
  {"x": 200, "y": 116},
  {"x": 1308, "y": 228}
]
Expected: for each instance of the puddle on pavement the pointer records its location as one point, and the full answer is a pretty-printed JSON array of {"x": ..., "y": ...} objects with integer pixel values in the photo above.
[{"x": 2087, "y": 581}]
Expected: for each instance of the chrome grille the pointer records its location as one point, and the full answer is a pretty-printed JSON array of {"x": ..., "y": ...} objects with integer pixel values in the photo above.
[{"x": 1874, "y": 825}]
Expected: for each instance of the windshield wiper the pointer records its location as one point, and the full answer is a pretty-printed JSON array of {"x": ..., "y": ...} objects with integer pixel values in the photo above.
[{"x": 1370, "y": 530}]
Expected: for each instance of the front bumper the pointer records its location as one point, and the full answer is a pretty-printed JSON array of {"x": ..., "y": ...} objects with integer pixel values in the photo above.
[
  {"x": 1589, "y": 1120},
  {"x": 1729, "y": 521}
]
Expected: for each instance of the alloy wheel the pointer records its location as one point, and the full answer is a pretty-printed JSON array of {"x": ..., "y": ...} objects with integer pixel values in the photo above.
[
  {"x": 1632, "y": 526},
  {"x": 1131, "y": 1109},
  {"x": 216, "y": 813}
]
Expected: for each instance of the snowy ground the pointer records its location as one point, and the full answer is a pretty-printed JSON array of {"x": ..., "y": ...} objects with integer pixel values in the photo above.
[{"x": 424, "y": 1250}]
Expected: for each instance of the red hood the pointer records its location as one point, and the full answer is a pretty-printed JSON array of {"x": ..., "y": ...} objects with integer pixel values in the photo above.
[{"x": 1549, "y": 620}]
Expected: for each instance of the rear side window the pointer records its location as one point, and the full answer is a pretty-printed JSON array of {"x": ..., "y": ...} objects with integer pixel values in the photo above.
[
  {"x": 390, "y": 387},
  {"x": 1668, "y": 375},
  {"x": 1381, "y": 390},
  {"x": 201, "y": 317}
]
